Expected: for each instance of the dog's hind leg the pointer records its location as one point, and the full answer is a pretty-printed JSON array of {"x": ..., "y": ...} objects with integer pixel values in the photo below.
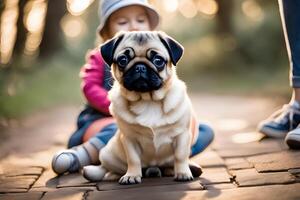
[
  {"x": 94, "y": 173},
  {"x": 152, "y": 172},
  {"x": 110, "y": 176},
  {"x": 110, "y": 161}
]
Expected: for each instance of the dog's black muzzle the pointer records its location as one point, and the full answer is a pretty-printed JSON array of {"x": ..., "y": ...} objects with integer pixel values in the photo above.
[{"x": 141, "y": 78}]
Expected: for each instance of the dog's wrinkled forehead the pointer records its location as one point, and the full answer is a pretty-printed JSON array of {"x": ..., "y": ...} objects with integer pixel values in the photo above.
[{"x": 141, "y": 42}]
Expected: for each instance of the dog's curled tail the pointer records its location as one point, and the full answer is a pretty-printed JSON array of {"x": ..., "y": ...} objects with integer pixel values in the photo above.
[{"x": 94, "y": 173}]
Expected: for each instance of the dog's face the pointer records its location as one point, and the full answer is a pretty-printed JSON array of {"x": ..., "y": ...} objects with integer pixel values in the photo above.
[{"x": 142, "y": 61}]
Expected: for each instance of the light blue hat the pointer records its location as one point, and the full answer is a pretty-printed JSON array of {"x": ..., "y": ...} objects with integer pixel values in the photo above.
[{"x": 107, "y": 7}]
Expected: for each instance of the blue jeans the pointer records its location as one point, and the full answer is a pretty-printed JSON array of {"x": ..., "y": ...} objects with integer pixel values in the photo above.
[
  {"x": 290, "y": 15},
  {"x": 86, "y": 117},
  {"x": 205, "y": 137}
]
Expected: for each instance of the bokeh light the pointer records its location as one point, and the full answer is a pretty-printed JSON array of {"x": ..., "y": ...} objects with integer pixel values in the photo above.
[
  {"x": 73, "y": 27},
  {"x": 35, "y": 18},
  {"x": 242, "y": 138},
  {"x": 77, "y": 7},
  {"x": 253, "y": 10},
  {"x": 187, "y": 8},
  {"x": 208, "y": 7},
  {"x": 8, "y": 30},
  {"x": 170, "y": 5},
  {"x": 34, "y": 23}
]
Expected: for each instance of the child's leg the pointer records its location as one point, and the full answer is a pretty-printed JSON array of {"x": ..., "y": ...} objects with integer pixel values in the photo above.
[
  {"x": 204, "y": 135},
  {"x": 289, "y": 10},
  {"x": 87, "y": 117},
  {"x": 72, "y": 160},
  {"x": 203, "y": 139},
  {"x": 287, "y": 119}
]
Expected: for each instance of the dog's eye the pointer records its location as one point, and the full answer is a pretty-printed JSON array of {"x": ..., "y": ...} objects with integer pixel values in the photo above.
[
  {"x": 159, "y": 62},
  {"x": 122, "y": 61}
]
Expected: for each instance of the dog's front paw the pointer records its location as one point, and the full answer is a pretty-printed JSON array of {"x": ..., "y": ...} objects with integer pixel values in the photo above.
[
  {"x": 182, "y": 177},
  {"x": 128, "y": 180}
]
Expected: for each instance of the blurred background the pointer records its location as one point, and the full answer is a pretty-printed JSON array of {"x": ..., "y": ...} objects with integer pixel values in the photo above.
[{"x": 231, "y": 47}]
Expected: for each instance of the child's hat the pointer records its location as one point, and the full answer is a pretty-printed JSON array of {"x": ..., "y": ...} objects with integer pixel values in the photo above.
[{"x": 107, "y": 7}]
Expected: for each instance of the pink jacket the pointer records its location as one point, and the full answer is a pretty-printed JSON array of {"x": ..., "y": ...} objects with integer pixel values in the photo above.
[{"x": 92, "y": 75}]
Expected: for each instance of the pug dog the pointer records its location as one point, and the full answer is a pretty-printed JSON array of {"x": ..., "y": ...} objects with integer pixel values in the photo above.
[{"x": 151, "y": 106}]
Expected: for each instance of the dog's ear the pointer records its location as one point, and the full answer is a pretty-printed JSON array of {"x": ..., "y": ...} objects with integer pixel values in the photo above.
[
  {"x": 174, "y": 48},
  {"x": 109, "y": 47}
]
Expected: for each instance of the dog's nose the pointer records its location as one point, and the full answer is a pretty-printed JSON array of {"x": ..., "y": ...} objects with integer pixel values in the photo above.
[{"x": 140, "y": 68}]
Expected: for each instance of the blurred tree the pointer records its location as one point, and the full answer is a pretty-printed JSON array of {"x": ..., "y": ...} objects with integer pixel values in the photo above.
[
  {"x": 224, "y": 16},
  {"x": 21, "y": 33},
  {"x": 1, "y": 8},
  {"x": 52, "y": 39}
]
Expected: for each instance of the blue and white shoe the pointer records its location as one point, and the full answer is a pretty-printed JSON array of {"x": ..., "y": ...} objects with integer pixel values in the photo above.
[
  {"x": 70, "y": 160},
  {"x": 292, "y": 139},
  {"x": 65, "y": 161},
  {"x": 282, "y": 121}
]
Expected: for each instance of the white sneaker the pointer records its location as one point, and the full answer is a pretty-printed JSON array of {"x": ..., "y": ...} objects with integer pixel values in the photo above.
[{"x": 65, "y": 161}]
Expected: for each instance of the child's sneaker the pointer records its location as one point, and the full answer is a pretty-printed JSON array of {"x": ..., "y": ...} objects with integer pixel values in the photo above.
[
  {"x": 70, "y": 160},
  {"x": 293, "y": 138},
  {"x": 65, "y": 161},
  {"x": 282, "y": 121}
]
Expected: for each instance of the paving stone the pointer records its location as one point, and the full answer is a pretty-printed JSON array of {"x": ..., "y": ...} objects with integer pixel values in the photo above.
[
  {"x": 23, "y": 196},
  {"x": 16, "y": 183},
  {"x": 12, "y": 190},
  {"x": 73, "y": 180},
  {"x": 165, "y": 182},
  {"x": 47, "y": 179},
  {"x": 281, "y": 161},
  {"x": 237, "y": 163},
  {"x": 65, "y": 194},
  {"x": 295, "y": 172},
  {"x": 52, "y": 182},
  {"x": 22, "y": 170},
  {"x": 42, "y": 189},
  {"x": 40, "y": 158},
  {"x": 250, "y": 149},
  {"x": 272, "y": 192},
  {"x": 209, "y": 159},
  {"x": 148, "y": 191},
  {"x": 214, "y": 175},
  {"x": 221, "y": 186},
  {"x": 231, "y": 140},
  {"x": 250, "y": 177}
]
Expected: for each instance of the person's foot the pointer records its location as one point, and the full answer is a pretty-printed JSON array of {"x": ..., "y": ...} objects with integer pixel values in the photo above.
[
  {"x": 65, "y": 161},
  {"x": 205, "y": 137},
  {"x": 282, "y": 121},
  {"x": 71, "y": 160},
  {"x": 292, "y": 139}
]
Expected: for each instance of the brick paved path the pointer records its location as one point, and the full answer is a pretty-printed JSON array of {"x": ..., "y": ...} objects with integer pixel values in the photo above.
[{"x": 240, "y": 164}]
